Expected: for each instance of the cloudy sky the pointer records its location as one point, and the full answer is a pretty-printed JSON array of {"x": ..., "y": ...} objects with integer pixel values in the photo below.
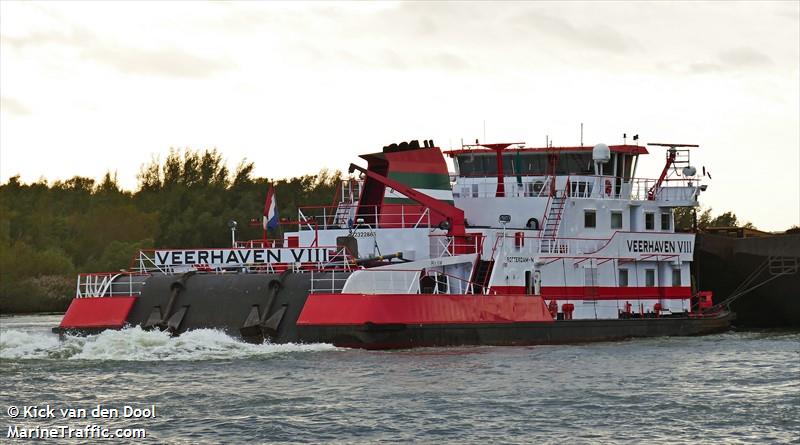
[{"x": 91, "y": 87}]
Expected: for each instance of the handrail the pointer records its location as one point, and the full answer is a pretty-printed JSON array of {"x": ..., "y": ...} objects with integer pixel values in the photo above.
[
  {"x": 102, "y": 284},
  {"x": 383, "y": 217},
  {"x": 418, "y": 275}
]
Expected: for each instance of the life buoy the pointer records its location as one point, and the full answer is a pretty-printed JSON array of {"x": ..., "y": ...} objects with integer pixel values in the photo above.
[{"x": 608, "y": 187}]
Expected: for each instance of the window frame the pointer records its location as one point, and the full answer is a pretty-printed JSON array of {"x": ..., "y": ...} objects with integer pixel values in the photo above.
[
  {"x": 627, "y": 277},
  {"x": 647, "y": 274},
  {"x": 611, "y": 222},
  {"x": 652, "y": 216},
  {"x": 676, "y": 272},
  {"x": 668, "y": 221},
  {"x": 586, "y": 213}
]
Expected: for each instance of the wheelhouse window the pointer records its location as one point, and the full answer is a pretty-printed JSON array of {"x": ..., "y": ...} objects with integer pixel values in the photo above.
[
  {"x": 574, "y": 164},
  {"x": 650, "y": 277},
  {"x": 649, "y": 221},
  {"x": 665, "y": 221},
  {"x": 590, "y": 219},
  {"x": 623, "y": 278},
  {"x": 477, "y": 164},
  {"x": 676, "y": 277},
  {"x": 529, "y": 164},
  {"x": 523, "y": 163},
  {"x": 616, "y": 220}
]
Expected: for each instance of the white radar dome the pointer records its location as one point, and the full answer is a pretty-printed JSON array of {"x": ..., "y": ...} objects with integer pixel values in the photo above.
[
  {"x": 601, "y": 153},
  {"x": 689, "y": 171}
]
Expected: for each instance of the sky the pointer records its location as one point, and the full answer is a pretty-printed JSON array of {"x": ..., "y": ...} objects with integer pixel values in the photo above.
[{"x": 92, "y": 87}]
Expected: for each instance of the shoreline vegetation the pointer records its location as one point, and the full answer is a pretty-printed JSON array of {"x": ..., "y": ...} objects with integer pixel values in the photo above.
[{"x": 51, "y": 232}]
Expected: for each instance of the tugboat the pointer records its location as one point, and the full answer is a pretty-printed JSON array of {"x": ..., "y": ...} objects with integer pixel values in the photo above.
[{"x": 519, "y": 246}]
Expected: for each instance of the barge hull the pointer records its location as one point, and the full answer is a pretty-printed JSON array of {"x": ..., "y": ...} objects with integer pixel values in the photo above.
[
  {"x": 226, "y": 302},
  {"x": 398, "y": 336}
]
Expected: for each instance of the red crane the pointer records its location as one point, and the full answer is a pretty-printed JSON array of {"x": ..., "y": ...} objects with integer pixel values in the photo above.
[{"x": 452, "y": 214}]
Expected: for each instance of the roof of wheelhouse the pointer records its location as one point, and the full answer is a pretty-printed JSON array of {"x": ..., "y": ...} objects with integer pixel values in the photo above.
[{"x": 518, "y": 147}]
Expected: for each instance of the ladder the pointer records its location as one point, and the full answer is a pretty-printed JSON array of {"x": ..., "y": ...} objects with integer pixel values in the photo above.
[
  {"x": 553, "y": 220},
  {"x": 481, "y": 279}
]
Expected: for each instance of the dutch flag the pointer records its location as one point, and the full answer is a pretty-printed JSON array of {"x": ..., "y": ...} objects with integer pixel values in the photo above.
[{"x": 270, "y": 211}]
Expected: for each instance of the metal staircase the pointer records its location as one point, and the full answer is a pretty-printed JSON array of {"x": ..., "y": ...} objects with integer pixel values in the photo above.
[
  {"x": 553, "y": 220},
  {"x": 481, "y": 279},
  {"x": 347, "y": 203}
]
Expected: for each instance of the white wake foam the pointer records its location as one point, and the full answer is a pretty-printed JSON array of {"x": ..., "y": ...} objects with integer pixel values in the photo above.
[{"x": 135, "y": 344}]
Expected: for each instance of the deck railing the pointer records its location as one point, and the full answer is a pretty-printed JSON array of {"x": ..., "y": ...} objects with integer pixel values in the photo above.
[
  {"x": 444, "y": 246},
  {"x": 579, "y": 187},
  {"x": 109, "y": 284},
  {"x": 344, "y": 216}
]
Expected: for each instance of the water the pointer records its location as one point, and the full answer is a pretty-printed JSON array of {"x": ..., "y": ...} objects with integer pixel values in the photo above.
[{"x": 210, "y": 388}]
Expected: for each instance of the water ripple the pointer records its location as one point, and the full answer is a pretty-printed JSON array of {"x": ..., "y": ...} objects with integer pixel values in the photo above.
[{"x": 738, "y": 387}]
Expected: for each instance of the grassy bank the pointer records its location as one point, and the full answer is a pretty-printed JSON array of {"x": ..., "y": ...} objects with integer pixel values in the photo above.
[{"x": 47, "y": 293}]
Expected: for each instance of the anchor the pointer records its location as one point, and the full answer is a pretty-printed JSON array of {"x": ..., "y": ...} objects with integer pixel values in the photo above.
[
  {"x": 167, "y": 320},
  {"x": 259, "y": 326}
]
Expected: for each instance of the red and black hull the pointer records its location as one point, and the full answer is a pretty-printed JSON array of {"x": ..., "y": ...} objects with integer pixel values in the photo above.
[
  {"x": 397, "y": 336},
  {"x": 279, "y": 309}
]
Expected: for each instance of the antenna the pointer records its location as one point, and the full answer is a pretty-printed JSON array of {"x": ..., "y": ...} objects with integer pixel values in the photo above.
[
  {"x": 547, "y": 140},
  {"x": 581, "y": 134}
]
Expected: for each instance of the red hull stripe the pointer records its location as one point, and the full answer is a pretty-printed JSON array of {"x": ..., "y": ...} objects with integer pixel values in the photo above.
[
  {"x": 359, "y": 309},
  {"x": 604, "y": 292},
  {"x": 107, "y": 312}
]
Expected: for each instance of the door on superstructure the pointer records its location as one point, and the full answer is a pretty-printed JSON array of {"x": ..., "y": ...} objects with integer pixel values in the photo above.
[{"x": 528, "y": 282}]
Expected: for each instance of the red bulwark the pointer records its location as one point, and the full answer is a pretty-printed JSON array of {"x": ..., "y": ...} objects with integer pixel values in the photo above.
[
  {"x": 359, "y": 309},
  {"x": 107, "y": 312}
]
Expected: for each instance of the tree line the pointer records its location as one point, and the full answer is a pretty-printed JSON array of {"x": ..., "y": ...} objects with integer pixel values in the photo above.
[{"x": 49, "y": 232}]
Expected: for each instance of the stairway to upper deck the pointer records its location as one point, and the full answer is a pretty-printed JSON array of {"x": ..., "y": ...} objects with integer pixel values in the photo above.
[
  {"x": 553, "y": 220},
  {"x": 481, "y": 278}
]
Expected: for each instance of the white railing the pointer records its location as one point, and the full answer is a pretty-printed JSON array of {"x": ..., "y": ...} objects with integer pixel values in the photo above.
[
  {"x": 260, "y": 244},
  {"x": 329, "y": 282},
  {"x": 444, "y": 246},
  {"x": 383, "y": 281},
  {"x": 97, "y": 285},
  {"x": 486, "y": 187},
  {"x": 513, "y": 246},
  {"x": 670, "y": 189},
  {"x": 391, "y": 216},
  {"x": 404, "y": 282},
  {"x": 584, "y": 186}
]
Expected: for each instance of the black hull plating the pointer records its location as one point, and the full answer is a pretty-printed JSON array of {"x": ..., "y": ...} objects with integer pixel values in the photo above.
[{"x": 512, "y": 334}]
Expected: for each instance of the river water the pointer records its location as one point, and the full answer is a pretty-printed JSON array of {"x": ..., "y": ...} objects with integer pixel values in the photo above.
[{"x": 738, "y": 387}]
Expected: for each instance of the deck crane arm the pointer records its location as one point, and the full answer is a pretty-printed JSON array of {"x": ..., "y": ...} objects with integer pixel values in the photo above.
[
  {"x": 453, "y": 215},
  {"x": 672, "y": 153}
]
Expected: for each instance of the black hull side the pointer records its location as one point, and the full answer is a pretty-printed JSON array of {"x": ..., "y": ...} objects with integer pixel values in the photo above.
[
  {"x": 511, "y": 334},
  {"x": 722, "y": 263},
  {"x": 220, "y": 301}
]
